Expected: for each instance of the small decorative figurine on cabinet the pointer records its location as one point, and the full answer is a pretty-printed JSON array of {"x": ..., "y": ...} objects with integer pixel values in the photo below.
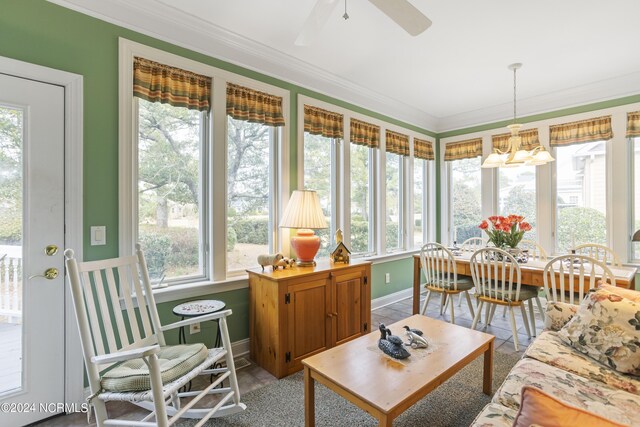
[
  {"x": 284, "y": 263},
  {"x": 340, "y": 252},
  {"x": 270, "y": 259}
]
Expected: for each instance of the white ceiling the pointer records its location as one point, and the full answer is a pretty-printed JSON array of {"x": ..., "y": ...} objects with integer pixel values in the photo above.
[{"x": 453, "y": 75}]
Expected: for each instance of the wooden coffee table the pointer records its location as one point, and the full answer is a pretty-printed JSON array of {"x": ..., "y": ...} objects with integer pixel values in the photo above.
[{"x": 385, "y": 387}]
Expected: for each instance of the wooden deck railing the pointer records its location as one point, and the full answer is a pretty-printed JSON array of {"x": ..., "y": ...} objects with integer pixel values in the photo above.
[{"x": 11, "y": 283}]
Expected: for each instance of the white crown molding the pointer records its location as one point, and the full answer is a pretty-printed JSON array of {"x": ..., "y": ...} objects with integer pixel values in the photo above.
[
  {"x": 604, "y": 90},
  {"x": 169, "y": 24}
]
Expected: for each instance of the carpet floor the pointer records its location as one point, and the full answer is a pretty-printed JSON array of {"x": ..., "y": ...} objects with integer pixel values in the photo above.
[{"x": 454, "y": 403}]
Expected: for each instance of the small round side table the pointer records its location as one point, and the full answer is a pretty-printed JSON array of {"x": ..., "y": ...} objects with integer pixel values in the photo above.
[{"x": 195, "y": 309}]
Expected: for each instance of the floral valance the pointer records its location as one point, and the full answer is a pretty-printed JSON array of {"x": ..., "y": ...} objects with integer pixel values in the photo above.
[
  {"x": 529, "y": 140},
  {"x": 397, "y": 143},
  {"x": 322, "y": 122},
  {"x": 467, "y": 149},
  {"x": 423, "y": 149},
  {"x": 363, "y": 133},
  {"x": 157, "y": 82},
  {"x": 254, "y": 106},
  {"x": 598, "y": 129},
  {"x": 633, "y": 124}
]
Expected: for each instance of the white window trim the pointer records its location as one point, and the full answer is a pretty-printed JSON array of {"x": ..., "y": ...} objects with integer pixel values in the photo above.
[
  {"x": 618, "y": 173},
  {"x": 343, "y": 217},
  {"x": 217, "y": 156}
]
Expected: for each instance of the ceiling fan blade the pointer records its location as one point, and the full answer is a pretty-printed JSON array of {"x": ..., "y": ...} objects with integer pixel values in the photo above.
[
  {"x": 315, "y": 22},
  {"x": 404, "y": 14}
]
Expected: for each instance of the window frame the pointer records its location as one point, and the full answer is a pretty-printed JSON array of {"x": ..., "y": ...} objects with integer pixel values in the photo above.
[
  {"x": 631, "y": 142},
  {"x": 215, "y": 182}
]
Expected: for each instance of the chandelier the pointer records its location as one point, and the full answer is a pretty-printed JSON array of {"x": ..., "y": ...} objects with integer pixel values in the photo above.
[{"x": 514, "y": 156}]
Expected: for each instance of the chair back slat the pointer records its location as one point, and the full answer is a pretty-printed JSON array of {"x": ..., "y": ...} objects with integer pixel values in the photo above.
[
  {"x": 472, "y": 244},
  {"x": 125, "y": 294},
  {"x": 439, "y": 266},
  {"x": 568, "y": 278},
  {"x": 107, "y": 324},
  {"x": 93, "y": 314},
  {"x": 599, "y": 252},
  {"x": 535, "y": 250},
  {"x": 115, "y": 303},
  {"x": 494, "y": 273},
  {"x": 142, "y": 306}
]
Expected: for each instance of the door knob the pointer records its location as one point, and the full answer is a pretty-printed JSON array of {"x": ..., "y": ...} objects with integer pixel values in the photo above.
[
  {"x": 49, "y": 274},
  {"x": 51, "y": 250}
]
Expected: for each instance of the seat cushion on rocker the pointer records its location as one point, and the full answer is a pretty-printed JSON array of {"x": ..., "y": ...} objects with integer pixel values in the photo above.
[{"x": 174, "y": 360}]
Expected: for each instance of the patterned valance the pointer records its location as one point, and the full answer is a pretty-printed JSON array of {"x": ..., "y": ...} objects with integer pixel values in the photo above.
[
  {"x": 529, "y": 140},
  {"x": 254, "y": 106},
  {"x": 423, "y": 149},
  {"x": 156, "y": 82},
  {"x": 598, "y": 129},
  {"x": 322, "y": 122},
  {"x": 397, "y": 143},
  {"x": 467, "y": 149},
  {"x": 363, "y": 133},
  {"x": 633, "y": 124}
]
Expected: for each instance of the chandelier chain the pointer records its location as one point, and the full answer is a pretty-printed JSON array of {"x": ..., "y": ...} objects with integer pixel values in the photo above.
[{"x": 514, "y": 94}]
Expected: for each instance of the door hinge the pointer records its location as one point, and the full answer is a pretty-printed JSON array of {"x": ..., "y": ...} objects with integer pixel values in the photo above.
[
  {"x": 366, "y": 280},
  {"x": 366, "y": 326},
  {"x": 287, "y": 357},
  {"x": 287, "y": 298}
]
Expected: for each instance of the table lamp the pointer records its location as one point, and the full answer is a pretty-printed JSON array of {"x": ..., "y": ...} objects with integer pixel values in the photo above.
[{"x": 304, "y": 213}]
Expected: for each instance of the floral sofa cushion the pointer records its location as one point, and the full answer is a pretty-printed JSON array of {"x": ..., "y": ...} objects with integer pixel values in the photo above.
[
  {"x": 495, "y": 415},
  {"x": 612, "y": 403},
  {"x": 607, "y": 328},
  {"x": 549, "y": 348},
  {"x": 558, "y": 314},
  {"x": 625, "y": 293}
]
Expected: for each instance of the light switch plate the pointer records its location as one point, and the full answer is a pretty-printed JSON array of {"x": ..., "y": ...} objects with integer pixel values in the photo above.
[{"x": 98, "y": 235}]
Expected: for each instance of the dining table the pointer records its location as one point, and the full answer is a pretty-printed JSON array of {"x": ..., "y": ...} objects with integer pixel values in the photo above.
[{"x": 532, "y": 273}]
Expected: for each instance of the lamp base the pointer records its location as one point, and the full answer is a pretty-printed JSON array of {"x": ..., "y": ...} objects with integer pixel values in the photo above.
[{"x": 305, "y": 244}]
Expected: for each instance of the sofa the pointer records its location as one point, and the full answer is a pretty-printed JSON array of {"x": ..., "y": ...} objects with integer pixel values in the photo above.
[{"x": 567, "y": 363}]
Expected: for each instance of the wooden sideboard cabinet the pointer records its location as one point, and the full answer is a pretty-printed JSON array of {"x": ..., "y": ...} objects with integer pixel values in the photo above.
[{"x": 300, "y": 311}]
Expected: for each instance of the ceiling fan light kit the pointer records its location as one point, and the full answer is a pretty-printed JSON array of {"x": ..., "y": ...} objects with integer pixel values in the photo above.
[{"x": 513, "y": 156}]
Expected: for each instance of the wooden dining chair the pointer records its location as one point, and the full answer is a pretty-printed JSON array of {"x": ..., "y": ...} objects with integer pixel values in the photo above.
[
  {"x": 535, "y": 250},
  {"x": 472, "y": 244},
  {"x": 599, "y": 252},
  {"x": 439, "y": 268},
  {"x": 125, "y": 352},
  {"x": 498, "y": 281},
  {"x": 568, "y": 278}
]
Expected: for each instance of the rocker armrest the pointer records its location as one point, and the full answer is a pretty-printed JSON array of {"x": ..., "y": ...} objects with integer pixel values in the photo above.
[
  {"x": 120, "y": 356},
  {"x": 196, "y": 319}
]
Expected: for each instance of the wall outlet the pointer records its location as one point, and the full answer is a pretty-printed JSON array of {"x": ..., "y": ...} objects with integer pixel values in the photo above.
[
  {"x": 194, "y": 328},
  {"x": 387, "y": 278}
]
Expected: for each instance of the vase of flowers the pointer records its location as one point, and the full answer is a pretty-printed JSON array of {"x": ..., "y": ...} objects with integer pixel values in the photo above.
[{"x": 505, "y": 232}]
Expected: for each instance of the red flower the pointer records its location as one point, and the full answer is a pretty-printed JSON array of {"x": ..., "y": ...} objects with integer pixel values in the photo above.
[
  {"x": 494, "y": 219},
  {"x": 484, "y": 225},
  {"x": 525, "y": 226},
  {"x": 506, "y": 227},
  {"x": 515, "y": 219}
]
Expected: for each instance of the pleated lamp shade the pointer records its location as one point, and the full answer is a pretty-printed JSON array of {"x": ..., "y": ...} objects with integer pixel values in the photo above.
[
  {"x": 636, "y": 236},
  {"x": 303, "y": 211}
]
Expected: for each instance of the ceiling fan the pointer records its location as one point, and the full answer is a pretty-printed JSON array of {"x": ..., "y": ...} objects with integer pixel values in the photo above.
[{"x": 401, "y": 12}]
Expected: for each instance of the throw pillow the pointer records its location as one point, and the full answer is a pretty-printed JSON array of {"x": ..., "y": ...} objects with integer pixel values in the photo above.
[
  {"x": 607, "y": 328},
  {"x": 557, "y": 314},
  {"x": 625, "y": 293},
  {"x": 539, "y": 408}
]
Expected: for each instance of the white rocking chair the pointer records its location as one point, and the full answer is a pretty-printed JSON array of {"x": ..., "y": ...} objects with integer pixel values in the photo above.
[{"x": 145, "y": 371}]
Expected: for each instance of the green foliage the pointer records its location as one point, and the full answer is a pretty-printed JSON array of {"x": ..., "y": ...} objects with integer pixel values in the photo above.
[
  {"x": 171, "y": 251},
  {"x": 157, "y": 249},
  {"x": 521, "y": 202},
  {"x": 232, "y": 238},
  {"x": 580, "y": 225},
  {"x": 10, "y": 227},
  {"x": 251, "y": 230}
]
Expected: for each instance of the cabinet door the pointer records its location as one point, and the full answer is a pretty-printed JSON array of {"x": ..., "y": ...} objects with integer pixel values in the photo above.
[
  {"x": 307, "y": 320},
  {"x": 348, "y": 305}
]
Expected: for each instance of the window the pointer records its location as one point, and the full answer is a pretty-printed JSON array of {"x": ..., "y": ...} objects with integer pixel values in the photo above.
[
  {"x": 394, "y": 202},
  {"x": 465, "y": 199},
  {"x": 419, "y": 202},
  {"x": 171, "y": 165},
  {"x": 635, "y": 144},
  {"x": 319, "y": 173},
  {"x": 581, "y": 188},
  {"x": 362, "y": 230},
  {"x": 517, "y": 194},
  {"x": 250, "y": 153}
]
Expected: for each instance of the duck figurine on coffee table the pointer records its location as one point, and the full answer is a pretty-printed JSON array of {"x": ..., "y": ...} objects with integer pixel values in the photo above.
[{"x": 391, "y": 345}]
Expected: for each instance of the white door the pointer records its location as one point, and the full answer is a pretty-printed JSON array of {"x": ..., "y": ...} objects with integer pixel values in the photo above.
[{"x": 31, "y": 219}]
